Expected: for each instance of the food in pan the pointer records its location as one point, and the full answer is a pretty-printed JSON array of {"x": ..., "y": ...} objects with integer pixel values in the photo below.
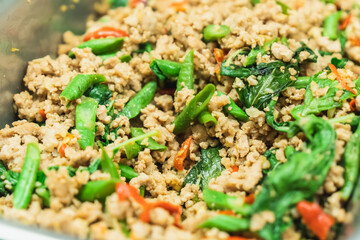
[{"x": 198, "y": 119}]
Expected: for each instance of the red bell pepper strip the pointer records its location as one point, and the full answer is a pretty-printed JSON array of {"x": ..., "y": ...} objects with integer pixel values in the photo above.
[
  {"x": 105, "y": 32},
  {"x": 315, "y": 218}
]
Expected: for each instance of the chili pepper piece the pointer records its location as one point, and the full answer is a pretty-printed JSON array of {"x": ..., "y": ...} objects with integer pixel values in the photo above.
[
  {"x": 353, "y": 105},
  {"x": 26, "y": 184},
  {"x": 315, "y": 219},
  {"x": 105, "y": 32},
  {"x": 346, "y": 22},
  {"x": 125, "y": 190},
  {"x": 182, "y": 154},
  {"x": 250, "y": 199}
]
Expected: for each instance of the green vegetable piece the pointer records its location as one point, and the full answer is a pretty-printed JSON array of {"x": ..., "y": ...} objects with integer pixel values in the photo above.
[
  {"x": 331, "y": 24},
  {"x": 299, "y": 178},
  {"x": 118, "y": 3},
  {"x": 165, "y": 68},
  {"x": 25, "y": 187},
  {"x": 186, "y": 73},
  {"x": 215, "y": 32},
  {"x": 79, "y": 84},
  {"x": 94, "y": 165},
  {"x": 234, "y": 110},
  {"x": 339, "y": 63},
  {"x": 314, "y": 105},
  {"x": 254, "y": 2},
  {"x": 132, "y": 150},
  {"x": 85, "y": 118},
  {"x": 193, "y": 109},
  {"x": 133, "y": 140},
  {"x": 127, "y": 172},
  {"x": 108, "y": 55},
  {"x": 274, "y": 163},
  {"x": 100, "y": 92},
  {"x": 285, "y": 8},
  {"x": 227, "y": 223},
  {"x": 302, "y": 82},
  {"x": 143, "y": 47},
  {"x": 97, "y": 190},
  {"x": 108, "y": 166},
  {"x": 152, "y": 144},
  {"x": 125, "y": 58},
  {"x": 44, "y": 194},
  {"x": 221, "y": 201},
  {"x": 251, "y": 58},
  {"x": 140, "y": 101},
  {"x": 142, "y": 191},
  {"x": 206, "y": 169},
  {"x": 343, "y": 40},
  {"x": 101, "y": 46},
  {"x": 352, "y": 164},
  {"x": 205, "y": 117}
]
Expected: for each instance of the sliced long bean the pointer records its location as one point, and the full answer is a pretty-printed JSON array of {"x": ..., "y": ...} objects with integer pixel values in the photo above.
[
  {"x": 25, "y": 186},
  {"x": 140, "y": 101},
  {"x": 193, "y": 109},
  {"x": 127, "y": 172},
  {"x": 133, "y": 140},
  {"x": 165, "y": 68},
  {"x": 79, "y": 84},
  {"x": 101, "y": 46},
  {"x": 226, "y": 223},
  {"x": 85, "y": 119},
  {"x": 152, "y": 144},
  {"x": 205, "y": 117},
  {"x": 97, "y": 190},
  {"x": 108, "y": 165},
  {"x": 352, "y": 164},
  {"x": 221, "y": 201},
  {"x": 331, "y": 24},
  {"x": 214, "y": 32},
  {"x": 234, "y": 110},
  {"x": 186, "y": 74}
]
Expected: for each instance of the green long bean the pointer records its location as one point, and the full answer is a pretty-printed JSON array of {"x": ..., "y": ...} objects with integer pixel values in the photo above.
[
  {"x": 214, "y": 32},
  {"x": 152, "y": 144},
  {"x": 25, "y": 186},
  {"x": 101, "y": 46},
  {"x": 85, "y": 119},
  {"x": 226, "y": 223},
  {"x": 193, "y": 109},
  {"x": 79, "y": 84},
  {"x": 221, "y": 201},
  {"x": 108, "y": 165},
  {"x": 206, "y": 117},
  {"x": 133, "y": 140},
  {"x": 127, "y": 172},
  {"x": 331, "y": 24},
  {"x": 165, "y": 69},
  {"x": 140, "y": 101},
  {"x": 186, "y": 73},
  {"x": 234, "y": 110},
  {"x": 96, "y": 190},
  {"x": 352, "y": 164}
]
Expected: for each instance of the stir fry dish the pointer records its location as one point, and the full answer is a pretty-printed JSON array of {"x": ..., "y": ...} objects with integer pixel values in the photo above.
[{"x": 192, "y": 119}]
